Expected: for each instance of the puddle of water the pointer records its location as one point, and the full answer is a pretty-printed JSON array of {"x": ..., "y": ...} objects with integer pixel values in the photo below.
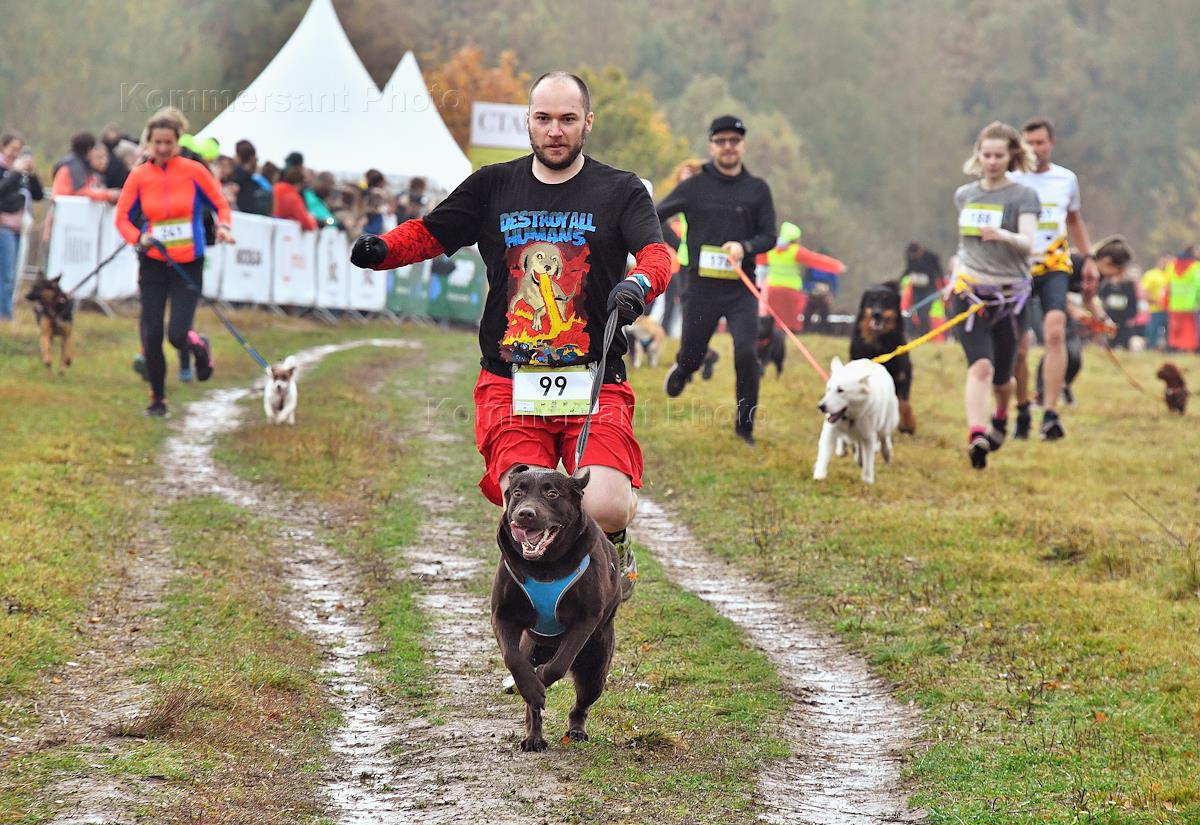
[{"x": 846, "y": 732}]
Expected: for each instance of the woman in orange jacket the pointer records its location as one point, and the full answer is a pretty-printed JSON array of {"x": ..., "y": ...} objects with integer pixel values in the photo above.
[{"x": 169, "y": 192}]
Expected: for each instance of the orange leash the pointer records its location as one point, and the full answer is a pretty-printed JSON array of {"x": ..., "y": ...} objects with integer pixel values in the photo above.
[{"x": 803, "y": 349}]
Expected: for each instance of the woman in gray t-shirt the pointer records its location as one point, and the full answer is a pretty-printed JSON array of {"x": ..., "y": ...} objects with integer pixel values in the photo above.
[{"x": 997, "y": 219}]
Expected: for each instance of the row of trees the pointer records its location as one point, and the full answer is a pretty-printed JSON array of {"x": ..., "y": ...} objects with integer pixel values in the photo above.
[{"x": 860, "y": 111}]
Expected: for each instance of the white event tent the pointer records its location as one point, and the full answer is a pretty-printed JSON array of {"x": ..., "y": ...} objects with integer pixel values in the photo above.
[
  {"x": 413, "y": 121},
  {"x": 316, "y": 97}
]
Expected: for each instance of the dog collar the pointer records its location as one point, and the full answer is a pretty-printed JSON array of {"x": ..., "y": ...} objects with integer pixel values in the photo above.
[{"x": 545, "y": 596}]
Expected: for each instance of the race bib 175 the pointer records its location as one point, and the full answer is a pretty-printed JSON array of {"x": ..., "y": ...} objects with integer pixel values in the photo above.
[{"x": 714, "y": 263}]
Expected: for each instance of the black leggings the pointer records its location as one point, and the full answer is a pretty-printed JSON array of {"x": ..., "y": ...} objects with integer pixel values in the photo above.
[
  {"x": 703, "y": 306},
  {"x": 157, "y": 282},
  {"x": 993, "y": 337}
]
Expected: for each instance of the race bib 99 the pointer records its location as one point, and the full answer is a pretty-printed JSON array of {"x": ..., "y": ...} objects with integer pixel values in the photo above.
[
  {"x": 975, "y": 216},
  {"x": 714, "y": 263},
  {"x": 552, "y": 390}
]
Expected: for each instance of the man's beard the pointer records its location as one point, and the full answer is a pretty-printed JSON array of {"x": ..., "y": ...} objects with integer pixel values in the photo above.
[
  {"x": 727, "y": 167},
  {"x": 558, "y": 165}
]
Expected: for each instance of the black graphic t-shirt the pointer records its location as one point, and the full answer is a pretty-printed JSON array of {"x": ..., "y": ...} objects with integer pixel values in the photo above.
[{"x": 553, "y": 253}]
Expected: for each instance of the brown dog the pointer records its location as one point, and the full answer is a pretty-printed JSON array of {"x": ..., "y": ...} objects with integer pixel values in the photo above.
[
  {"x": 1177, "y": 391},
  {"x": 54, "y": 311},
  {"x": 878, "y": 331},
  {"x": 554, "y": 596},
  {"x": 645, "y": 337}
]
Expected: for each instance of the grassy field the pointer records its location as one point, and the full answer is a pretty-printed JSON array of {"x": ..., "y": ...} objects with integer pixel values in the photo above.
[
  {"x": 679, "y": 734},
  {"x": 1044, "y": 622},
  {"x": 80, "y": 461}
]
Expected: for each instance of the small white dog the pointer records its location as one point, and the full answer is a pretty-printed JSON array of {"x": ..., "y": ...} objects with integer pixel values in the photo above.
[
  {"x": 279, "y": 395},
  {"x": 860, "y": 408}
]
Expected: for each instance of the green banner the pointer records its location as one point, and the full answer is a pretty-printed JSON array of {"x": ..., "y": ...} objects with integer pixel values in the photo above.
[
  {"x": 407, "y": 293},
  {"x": 458, "y": 295}
]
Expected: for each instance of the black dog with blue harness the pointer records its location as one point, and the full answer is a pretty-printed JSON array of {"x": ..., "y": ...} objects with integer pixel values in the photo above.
[{"x": 554, "y": 596}]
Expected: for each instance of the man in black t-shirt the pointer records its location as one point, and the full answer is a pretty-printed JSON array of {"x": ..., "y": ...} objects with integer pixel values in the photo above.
[
  {"x": 730, "y": 220},
  {"x": 554, "y": 229}
]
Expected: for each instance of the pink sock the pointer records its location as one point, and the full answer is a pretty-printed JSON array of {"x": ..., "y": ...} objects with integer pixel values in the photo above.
[{"x": 974, "y": 431}]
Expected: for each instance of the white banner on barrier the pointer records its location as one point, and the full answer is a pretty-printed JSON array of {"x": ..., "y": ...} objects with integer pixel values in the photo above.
[
  {"x": 246, "y": 268},
  {"x": 368, "y": 289},
  {"x": 214, "y": 266},
  {"x": 293, "y": 275},
  {"x": 74, "y": 242},
  {"x": 333, "y": 269},
  {"x": 119, "y": 278}
]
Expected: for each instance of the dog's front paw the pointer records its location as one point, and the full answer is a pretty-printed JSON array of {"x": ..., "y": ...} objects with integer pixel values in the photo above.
[
  {"x": 533, "y": 744},
  {"x": 575, "y": 735},
  {"x": 820, "y": 474},
  {"x": 533, "y": 692}
]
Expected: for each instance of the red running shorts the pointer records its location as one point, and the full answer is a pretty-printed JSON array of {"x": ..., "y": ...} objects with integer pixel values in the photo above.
[{"x": 506, "y": 439}]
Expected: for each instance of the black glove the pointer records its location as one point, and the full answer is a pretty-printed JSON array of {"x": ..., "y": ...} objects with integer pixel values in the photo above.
[
  {"x": 369, "y": 251},
  {"x": 628, "y": 299}
]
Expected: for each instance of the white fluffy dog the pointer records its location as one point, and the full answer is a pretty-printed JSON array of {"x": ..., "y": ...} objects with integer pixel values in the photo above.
[
  {"x": 279, "y": 395},
  {"x": 860, "y": 408}
]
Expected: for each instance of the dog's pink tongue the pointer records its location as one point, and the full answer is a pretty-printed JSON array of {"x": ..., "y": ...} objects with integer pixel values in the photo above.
[{"x": 519, "y": 534}]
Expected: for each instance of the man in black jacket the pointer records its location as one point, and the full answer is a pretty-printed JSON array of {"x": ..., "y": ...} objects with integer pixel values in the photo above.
[{"x": 730, "y": 220}]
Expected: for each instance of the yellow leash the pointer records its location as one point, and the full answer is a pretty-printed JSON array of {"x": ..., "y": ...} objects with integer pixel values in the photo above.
[{"x": 929, "y": 336}]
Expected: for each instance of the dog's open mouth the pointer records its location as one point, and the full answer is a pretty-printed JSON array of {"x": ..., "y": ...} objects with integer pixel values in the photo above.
[
  {"x": 834, "y": 418},
  {"x": 533, "y": 542}
]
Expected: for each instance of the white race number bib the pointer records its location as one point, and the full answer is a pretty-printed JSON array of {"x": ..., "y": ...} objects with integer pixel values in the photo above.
[
  {"x": 975, "y": 216},
  {"x": 552, "y": 390}
]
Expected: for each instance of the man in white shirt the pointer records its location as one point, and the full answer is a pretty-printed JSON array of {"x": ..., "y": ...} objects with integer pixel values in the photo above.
[{"x": 1060, "y": 226}]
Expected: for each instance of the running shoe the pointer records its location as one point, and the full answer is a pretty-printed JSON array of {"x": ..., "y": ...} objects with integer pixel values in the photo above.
[
  {"x": 201, "y": 354},
  {"x": 676, "y": 381},
  {"x": 185, "y": 375},
  {"x": 157, "y": 409},
  {"x": 710, "y": 360},
  {"x": 1024, "y": 423},
  {"x": 996, "y": 435},
  {"x": 1052, "y": 428},
  {"x": 139, "y": 366},
  {"x": 626, "y": 562},
  {"x": 978, "y": 450}
]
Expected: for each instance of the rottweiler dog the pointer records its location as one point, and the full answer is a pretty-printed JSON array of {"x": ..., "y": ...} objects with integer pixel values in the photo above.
[
  {"x": 771, "y": 346},
  {"x": 1176, "y": 393},
  {"x": 554, "y": 596},
  {"x": 55, "y": 311},
  {"x": 878, "y": 330}
]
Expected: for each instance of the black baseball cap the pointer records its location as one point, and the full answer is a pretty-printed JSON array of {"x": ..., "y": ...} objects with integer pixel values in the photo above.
[{"x": 726, "y": 123}]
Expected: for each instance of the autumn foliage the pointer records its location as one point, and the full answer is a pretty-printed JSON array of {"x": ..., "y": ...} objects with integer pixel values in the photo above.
[{"x": 464, "y": 78}]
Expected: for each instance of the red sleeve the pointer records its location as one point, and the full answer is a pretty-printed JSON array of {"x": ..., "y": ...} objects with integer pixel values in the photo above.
[
  {"x": 129, "y": 194},
  {"x": 816, "y": 260},
  {"x": 654, "y": 261},
  {"x": 409, "y": 243}
]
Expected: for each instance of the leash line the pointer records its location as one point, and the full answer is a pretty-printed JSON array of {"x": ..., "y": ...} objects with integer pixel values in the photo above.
[
  {"x": 99, "y": 267},
  {"x": 929, "y": 336},
  {"x": 928, "y": 299},
  {"x": 262, "y": 362},
  {"x": 610, "y": 330},
  {"x": 808, "y": 356}
]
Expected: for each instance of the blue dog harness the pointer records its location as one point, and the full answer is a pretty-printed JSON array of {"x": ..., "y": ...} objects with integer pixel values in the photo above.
[{"x": 545, "y": 596}]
